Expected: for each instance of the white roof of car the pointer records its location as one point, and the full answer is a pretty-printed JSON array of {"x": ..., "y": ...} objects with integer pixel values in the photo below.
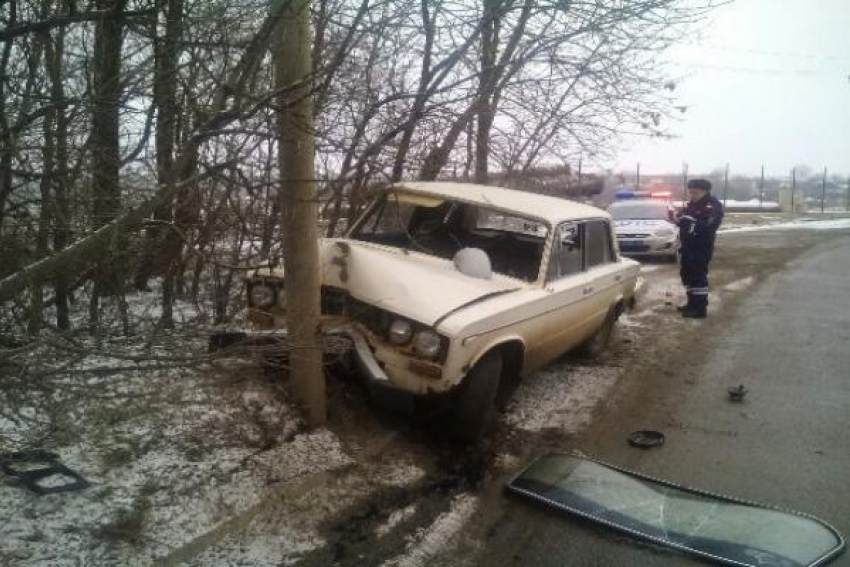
[{"x": 545, "y": 207}]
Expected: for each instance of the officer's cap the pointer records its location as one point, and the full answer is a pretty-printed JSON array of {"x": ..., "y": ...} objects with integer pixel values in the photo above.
[{"x": 703, "y": 184}]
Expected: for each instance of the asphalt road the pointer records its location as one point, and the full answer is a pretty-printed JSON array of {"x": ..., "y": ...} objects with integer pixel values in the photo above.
[{"x": 786, "y": 339}]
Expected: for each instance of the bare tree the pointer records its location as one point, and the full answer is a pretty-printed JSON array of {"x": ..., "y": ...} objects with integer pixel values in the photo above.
[{"x": 105, "y": 141}]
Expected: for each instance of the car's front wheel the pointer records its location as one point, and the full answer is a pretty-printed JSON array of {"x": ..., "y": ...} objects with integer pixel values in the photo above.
[{"x": 474, "y": 402}]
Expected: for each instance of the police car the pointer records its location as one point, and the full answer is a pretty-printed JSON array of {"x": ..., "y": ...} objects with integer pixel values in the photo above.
[{"x": 644, "y": 227}]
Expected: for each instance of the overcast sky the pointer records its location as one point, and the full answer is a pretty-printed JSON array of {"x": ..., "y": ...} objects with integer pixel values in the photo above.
[{"x": 769, "y": 83}]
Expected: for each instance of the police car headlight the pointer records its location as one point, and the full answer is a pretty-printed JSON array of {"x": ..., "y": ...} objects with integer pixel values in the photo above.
[
  {"x": 261, "y": 295},
  {"x": 665, "y": 232},
  {"x": 427, "y": 343},
  {"x": 400, "y": 332}
]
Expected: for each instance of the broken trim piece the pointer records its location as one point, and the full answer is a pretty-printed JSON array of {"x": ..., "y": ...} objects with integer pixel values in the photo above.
[{"x": 588, "y": 503}]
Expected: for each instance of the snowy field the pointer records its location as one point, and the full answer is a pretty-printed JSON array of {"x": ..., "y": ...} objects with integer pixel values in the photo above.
[{"x": 757, "y": 222}]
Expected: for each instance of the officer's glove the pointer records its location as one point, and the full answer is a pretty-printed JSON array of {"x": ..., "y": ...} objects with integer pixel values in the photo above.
[{"x": 689, "y": 222}]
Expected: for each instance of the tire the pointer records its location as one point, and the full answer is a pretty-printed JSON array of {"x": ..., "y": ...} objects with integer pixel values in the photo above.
[
  {"x": 598, "y": 343},
  {"x": 474, "y": 403}
]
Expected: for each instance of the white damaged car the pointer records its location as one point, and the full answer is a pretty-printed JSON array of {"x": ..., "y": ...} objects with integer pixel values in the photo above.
[
  {"x": 645, "y": 227},
  {"x": 459, "y": 290}
]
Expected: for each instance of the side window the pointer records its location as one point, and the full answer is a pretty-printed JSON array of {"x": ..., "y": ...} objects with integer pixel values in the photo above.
[
  {"x": 598, "y": 243},
  {"x": 567, "y": 251}
]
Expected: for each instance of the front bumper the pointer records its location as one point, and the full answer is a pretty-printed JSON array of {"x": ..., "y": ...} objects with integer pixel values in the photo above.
[
  {"x": 343, "y": 340},
  {"x": 381, "y": 389},
  {"x": 648, "y": 246}
]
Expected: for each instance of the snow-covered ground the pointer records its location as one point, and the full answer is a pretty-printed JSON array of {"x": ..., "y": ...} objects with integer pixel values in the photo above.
[
  {"x": 562, "y": 396},
  {"x": 760, "y": 223},
  {"x": 202, "y": 461}
]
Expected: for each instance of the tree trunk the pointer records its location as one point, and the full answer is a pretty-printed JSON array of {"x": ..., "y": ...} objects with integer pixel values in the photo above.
[
  {"x": 421, "y": 94},
  {"x": 166, "y": 54},
  {"x": 54, "y": 55},
  {"x": 36, "y": 315},
  {"x": 486, "y": 88},
  {"x": 5, "y": 133},
  {"x": 439, "y": 156},
  {"x": 105, "y": 142},
  {"x": 299, "y": 209}
]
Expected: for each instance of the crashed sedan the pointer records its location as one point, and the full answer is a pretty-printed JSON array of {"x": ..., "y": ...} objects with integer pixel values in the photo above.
[{"x": 459, "y": 290}]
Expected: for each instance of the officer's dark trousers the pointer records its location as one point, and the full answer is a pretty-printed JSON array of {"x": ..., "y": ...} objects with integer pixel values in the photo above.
[{"x": 694, "y": 273}]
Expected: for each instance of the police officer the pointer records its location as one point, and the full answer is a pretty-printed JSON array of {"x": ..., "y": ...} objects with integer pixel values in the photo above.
[{"x": 698, "y": 223}]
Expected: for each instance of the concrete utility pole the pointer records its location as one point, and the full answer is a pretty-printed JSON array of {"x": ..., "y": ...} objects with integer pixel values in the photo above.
[
  {"x": 725, "y": 185},
  {"x": 684, "y": 182},
  {"x": 761, "y": 189},
  {"x": 637, "y": 185},
  {"x": 823, "y": 191},
  {"x": 848, "y": 194},
  {"x": 299, "y": 207},
  {"x": 793, "y": 186}
]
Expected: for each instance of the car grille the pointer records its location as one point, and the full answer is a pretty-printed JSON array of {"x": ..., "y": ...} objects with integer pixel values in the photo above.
[{"x": 632, "y": 236}]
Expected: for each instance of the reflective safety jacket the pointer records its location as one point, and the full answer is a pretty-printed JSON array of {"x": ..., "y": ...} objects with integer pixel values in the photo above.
[{"x": 698, "y": 223}]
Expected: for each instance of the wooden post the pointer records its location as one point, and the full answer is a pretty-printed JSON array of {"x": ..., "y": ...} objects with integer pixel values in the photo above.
[{"x": 299, "y": 208}]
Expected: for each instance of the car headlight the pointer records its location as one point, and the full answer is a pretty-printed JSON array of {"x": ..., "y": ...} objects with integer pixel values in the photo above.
[
  {"x": 400, "y": 332},
  {"x": 665, "y": 232},
  {"x": 427, "y": 343},
  {"x": 261, "y": 295}
]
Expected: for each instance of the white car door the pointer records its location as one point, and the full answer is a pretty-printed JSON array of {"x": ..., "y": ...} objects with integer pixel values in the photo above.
[
  {"x": 564, "y": 310},
  {"x": 604, "y": 273}
]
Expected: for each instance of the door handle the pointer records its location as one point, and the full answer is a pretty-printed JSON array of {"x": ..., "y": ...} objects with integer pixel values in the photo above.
[
  {"x": 618, "y": 278},
  {"x": 588, "y": 290}
]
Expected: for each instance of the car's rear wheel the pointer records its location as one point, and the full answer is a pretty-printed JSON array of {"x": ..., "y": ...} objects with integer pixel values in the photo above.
[
  {"x": 474, "y": 402},
  {"x": 596, "y": 345}
]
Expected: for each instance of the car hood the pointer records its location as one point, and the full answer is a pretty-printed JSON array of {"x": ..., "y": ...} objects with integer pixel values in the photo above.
[
  {"x": 632, "y": 225},
  {"x": 417, "y": 286}
]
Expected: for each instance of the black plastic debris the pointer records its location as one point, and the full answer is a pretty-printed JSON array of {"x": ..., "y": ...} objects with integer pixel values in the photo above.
[
  {"x": 736, "y": 393},
  {"x": 41, "y": 472},
  {"x": 645, "y": 439}
]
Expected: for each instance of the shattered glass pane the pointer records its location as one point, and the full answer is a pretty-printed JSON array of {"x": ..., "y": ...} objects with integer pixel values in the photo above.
[{"x": 713, "y": 526}]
